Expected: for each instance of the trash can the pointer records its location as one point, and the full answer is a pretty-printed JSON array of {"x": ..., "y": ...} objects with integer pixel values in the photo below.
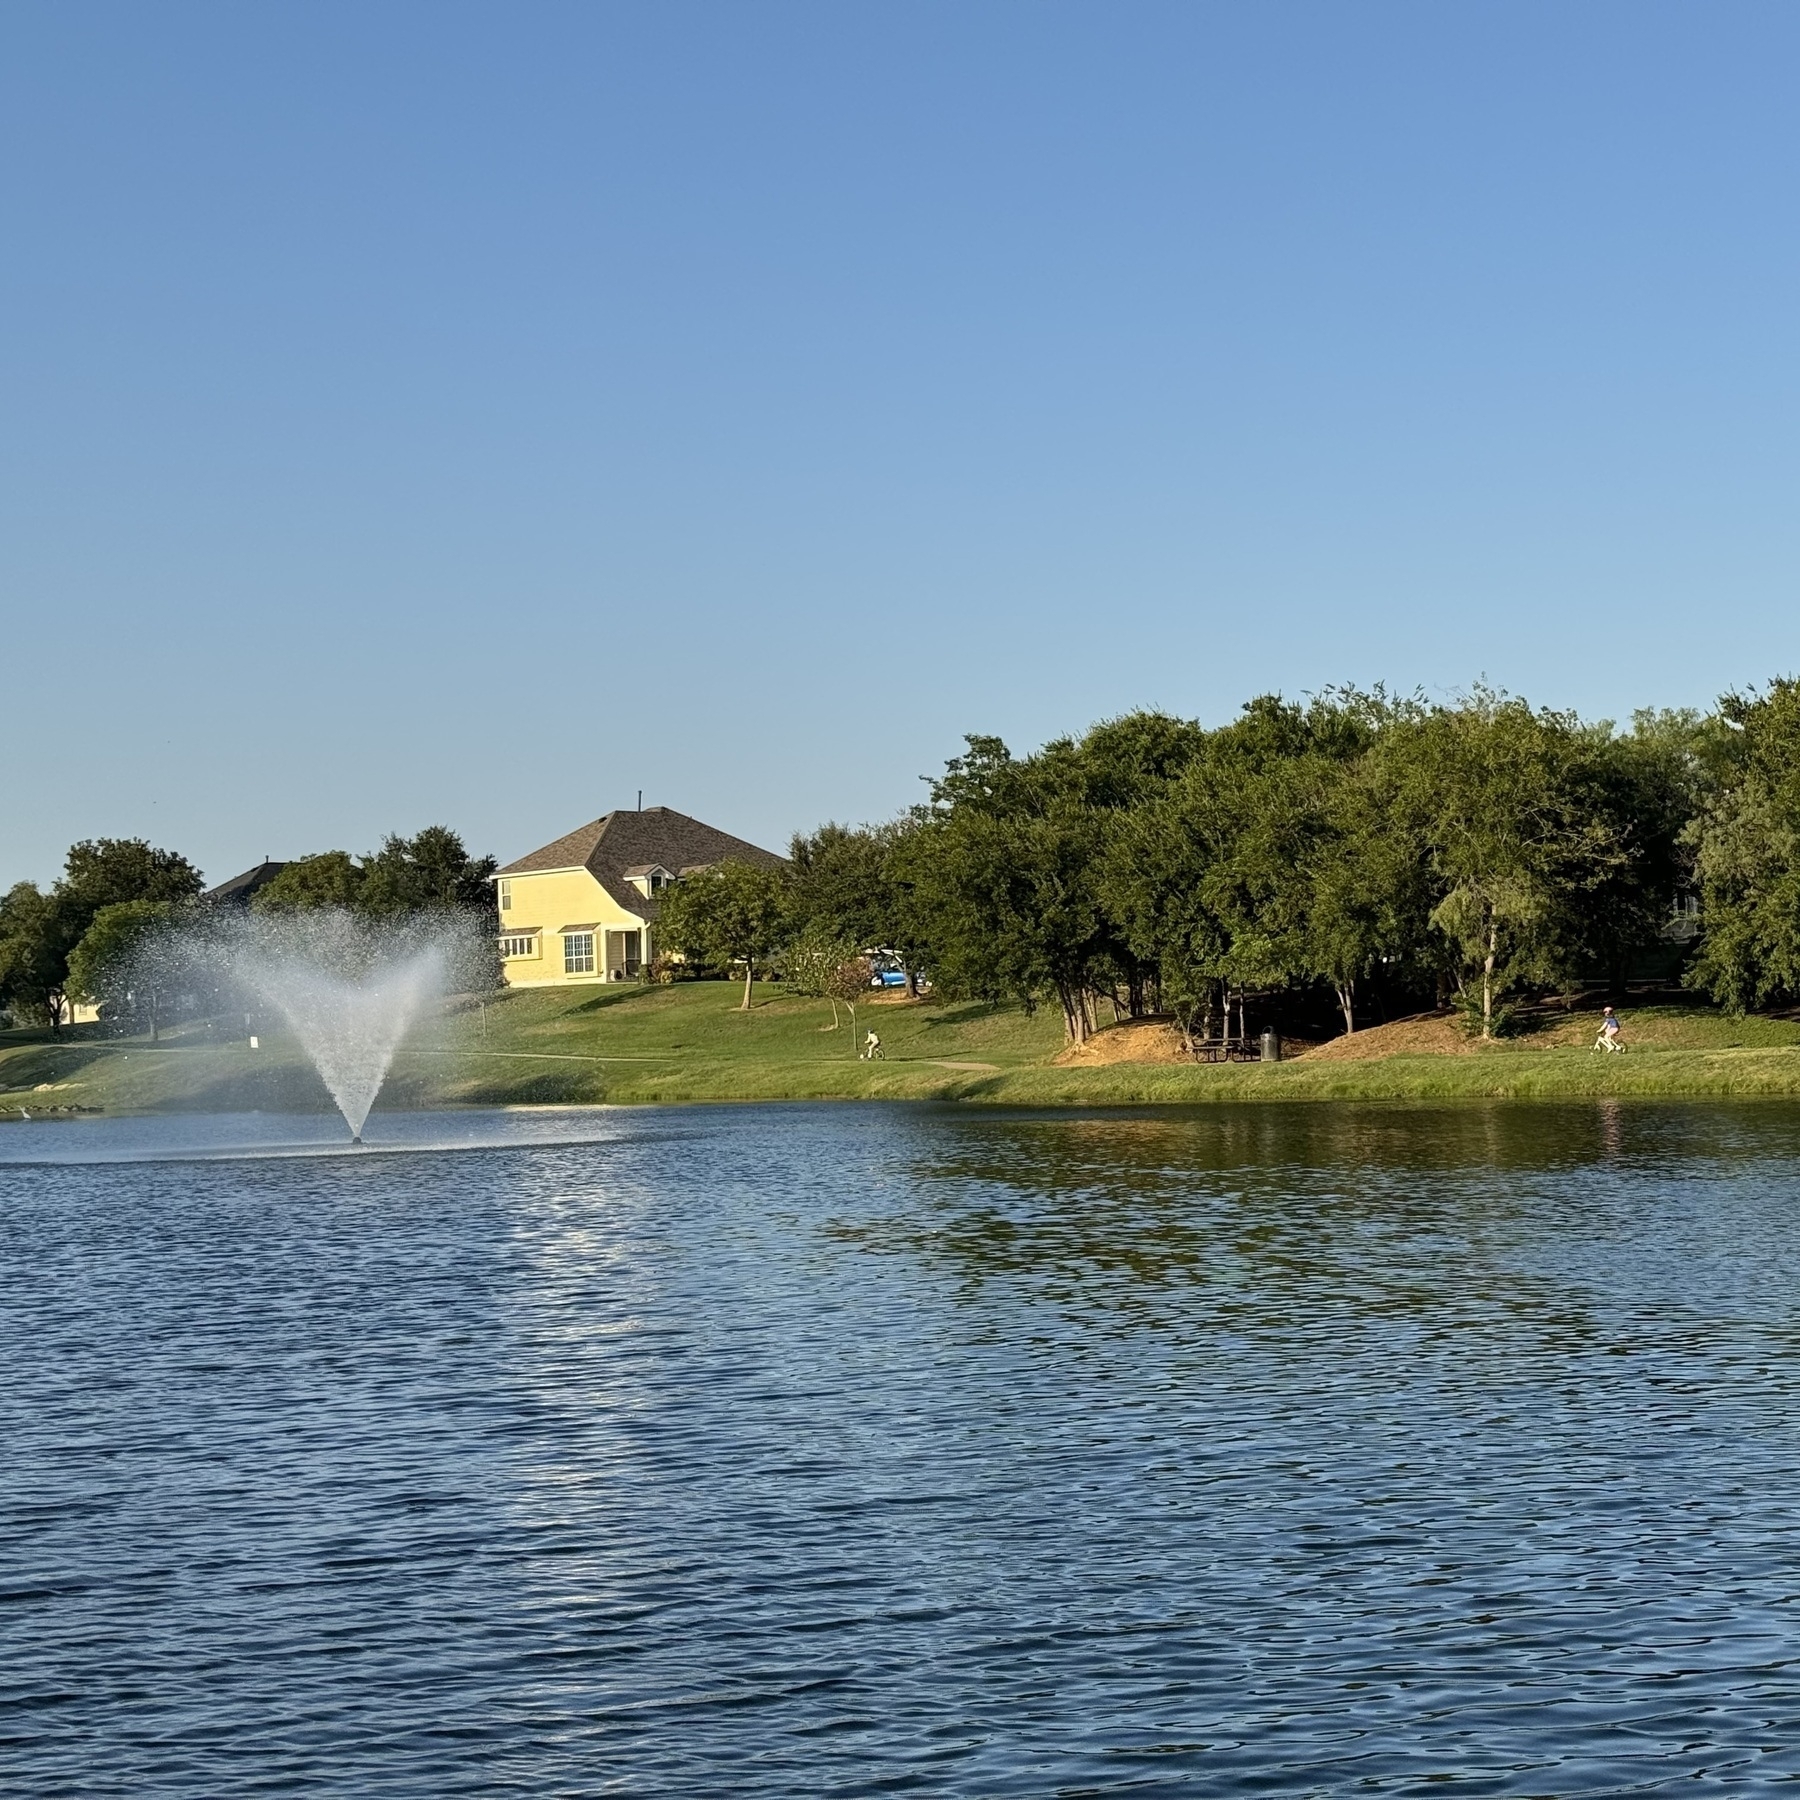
[{"x": 1271, "y": 1046}]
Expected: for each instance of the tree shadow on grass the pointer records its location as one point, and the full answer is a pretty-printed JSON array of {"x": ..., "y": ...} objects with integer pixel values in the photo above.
[
  {"x": 49, "y": 1062},
  {"x": 964, "y": 1012},
  {"x": 615, "y": 996}
]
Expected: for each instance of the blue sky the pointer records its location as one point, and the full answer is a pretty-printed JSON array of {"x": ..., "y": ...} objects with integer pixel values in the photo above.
[{"x": 480, "y": 413}]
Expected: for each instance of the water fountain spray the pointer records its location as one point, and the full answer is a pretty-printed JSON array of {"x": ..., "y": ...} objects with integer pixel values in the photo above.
[
  {"x": 348, "y": 1023},
  {"x": 349, "y": 989}
]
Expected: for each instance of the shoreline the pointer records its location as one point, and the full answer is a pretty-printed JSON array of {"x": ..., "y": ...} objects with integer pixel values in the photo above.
[
  {"x": 178, "y": 1081},
  {"x": 692, "y": 1045}
]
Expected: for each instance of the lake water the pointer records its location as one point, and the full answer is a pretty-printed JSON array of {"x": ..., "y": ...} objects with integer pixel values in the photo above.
[{"x": 858, "y": 1450}]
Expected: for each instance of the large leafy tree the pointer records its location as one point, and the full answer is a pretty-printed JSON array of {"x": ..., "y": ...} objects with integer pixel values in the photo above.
[
  {"x": 853, "y": 886},
  {"x": 1519, "y": 832},
  {"x": 36, "y": 935},
  {"x": 735, "y": 913},
  {"x": 39, "y": 931},
  {"x": 1007, "y": 864},
  {"x": 331, "y": 878},
  {"x": 1368, "y": 891},
  {"x": 1746, "y": 842},
  {"x": 1647, "y": 784},
  {"x": 124, "y": 961},
  {"x": 109, "y": 871},
  {"x": 1158, "y": 884},
  {"x": 841, "y": 887},
  {"x": 430, "y": 872},
  {"x": 1244, "y": 871},
  {"x": 1118, "y": 767}
]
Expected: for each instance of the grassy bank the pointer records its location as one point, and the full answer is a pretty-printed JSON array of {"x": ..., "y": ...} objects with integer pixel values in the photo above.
[{"x": 690, "y": 1043}]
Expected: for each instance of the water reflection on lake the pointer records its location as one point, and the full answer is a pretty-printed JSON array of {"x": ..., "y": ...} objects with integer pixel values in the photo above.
[{"x": 781, "y": 1451}]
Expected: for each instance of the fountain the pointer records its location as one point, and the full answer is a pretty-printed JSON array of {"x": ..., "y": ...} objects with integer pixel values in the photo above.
[
  {"x": 348, "y": 990},
  {"x": 349, "y": 987}
]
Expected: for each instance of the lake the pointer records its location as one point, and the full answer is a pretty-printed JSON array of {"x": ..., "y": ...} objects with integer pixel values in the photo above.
[{"x": 782, "y": 1451}]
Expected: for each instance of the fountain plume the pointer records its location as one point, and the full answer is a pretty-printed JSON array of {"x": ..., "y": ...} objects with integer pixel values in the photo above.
[
  {"x": 349, "y": 1020},
  {"x": 349, "y": 988}
]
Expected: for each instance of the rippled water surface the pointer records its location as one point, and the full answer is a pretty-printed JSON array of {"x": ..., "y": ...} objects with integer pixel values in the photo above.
[{"x": 779, "y": 1452}]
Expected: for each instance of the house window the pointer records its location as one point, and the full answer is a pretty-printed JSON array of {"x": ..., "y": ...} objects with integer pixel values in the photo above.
[
  {"x": 522, "y": 943},
  {"x": 578, "y": 953},
  {"x": 506, "y": 896}
]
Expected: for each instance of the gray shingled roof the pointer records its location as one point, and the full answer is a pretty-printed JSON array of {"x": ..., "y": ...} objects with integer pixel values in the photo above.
[
  {"x": 623, "y": 841},
  {"x": 239, "y": 889}
]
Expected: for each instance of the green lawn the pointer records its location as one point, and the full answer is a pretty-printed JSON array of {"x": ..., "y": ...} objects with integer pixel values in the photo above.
[
  {"x": 691, "y": 1043},
  {"x": 1664, "y": 1028},
  {"x": 688, "y": 1042}
]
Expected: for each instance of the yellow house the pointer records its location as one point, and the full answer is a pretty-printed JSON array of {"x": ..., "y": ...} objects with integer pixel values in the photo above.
[{"x": 584, "y": 908}]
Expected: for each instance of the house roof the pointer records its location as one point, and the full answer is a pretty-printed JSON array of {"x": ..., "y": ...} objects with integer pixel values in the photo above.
[
  {"x": 238, "y": 890},
  {"x": 621, "y": 844}
]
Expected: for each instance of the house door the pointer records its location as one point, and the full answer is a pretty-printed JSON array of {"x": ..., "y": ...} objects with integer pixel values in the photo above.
[{"x": 623, "y": 955}]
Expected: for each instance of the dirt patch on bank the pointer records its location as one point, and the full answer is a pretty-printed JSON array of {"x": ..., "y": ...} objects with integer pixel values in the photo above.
[
  {"x": 1130, "y": 1041},
  {"x": 1425, "y": 1034},
  {"x": 1543, "y": 1026},
  {"x": 1151, "y": 1041}
]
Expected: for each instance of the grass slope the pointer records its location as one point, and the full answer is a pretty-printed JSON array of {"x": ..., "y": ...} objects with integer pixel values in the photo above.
[{"x": 690, "y": 1043}]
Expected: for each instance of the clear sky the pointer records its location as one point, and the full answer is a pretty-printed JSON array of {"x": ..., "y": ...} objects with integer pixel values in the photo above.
[{"x": 477, "y": 413}]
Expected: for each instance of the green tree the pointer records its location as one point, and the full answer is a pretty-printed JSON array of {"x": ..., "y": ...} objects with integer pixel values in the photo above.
[
  {"x": 38, "y": 931},
  {"x": 1158, "y": 883},
  {"x": 841, "y": 887},
  {"x": 430, "y": 872},
  {"x": 735, "y": 913},
  {"x": 1518, "y": 834},
  {"x": 117, "y": 964},
  {"x": 1117, "y": 767},
  {"x": 854, "y": 886},
  {"x": 1369, "y": 892},
  {"x": 1648, "y": 784},
  {"x": 108, "y": 871},
  {"x": 1006, "y": 865},
  {"x": 1746, "y": 842},
  {"x": 331, "y": 878},
  {"x": 810, "y": 962},
  {"x": 848, "y": 984},
  {"x": 36, "y": 935},
  {"x": 1243, "y": 871}
]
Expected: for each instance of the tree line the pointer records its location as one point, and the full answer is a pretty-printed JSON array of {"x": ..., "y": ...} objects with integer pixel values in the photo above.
[
  {"x": 77, "y": 941},
  {"x": 1350, "y": 845},
  {"x": 1465, "y": 853}
]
